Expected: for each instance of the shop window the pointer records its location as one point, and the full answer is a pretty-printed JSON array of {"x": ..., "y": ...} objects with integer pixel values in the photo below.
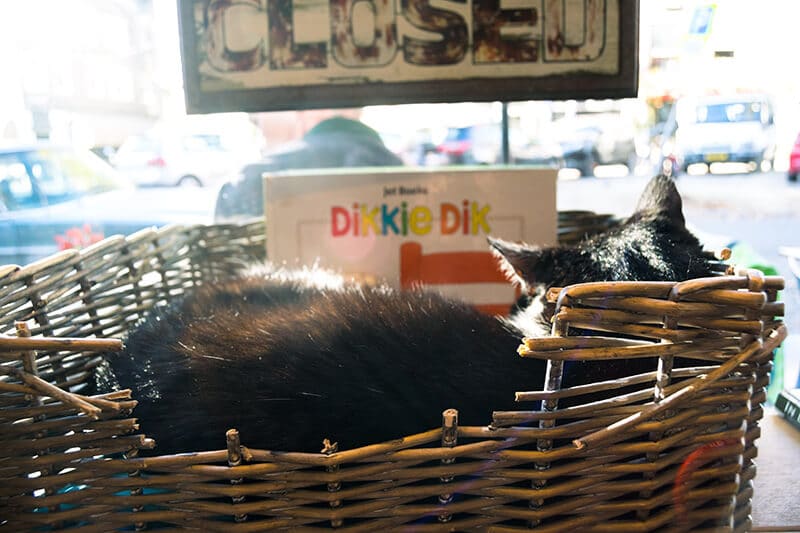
[{"x": 16, "y": 189}]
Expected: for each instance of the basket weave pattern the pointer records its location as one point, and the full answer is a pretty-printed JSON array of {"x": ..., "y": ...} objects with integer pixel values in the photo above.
[{"x": 671, "y": 448}]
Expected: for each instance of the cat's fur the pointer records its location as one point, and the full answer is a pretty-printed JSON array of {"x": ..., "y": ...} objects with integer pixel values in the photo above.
[{"x": 288, "y": 358}]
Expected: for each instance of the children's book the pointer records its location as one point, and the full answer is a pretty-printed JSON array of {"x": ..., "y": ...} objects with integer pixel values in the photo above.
[{"x": 412, "y": 227}]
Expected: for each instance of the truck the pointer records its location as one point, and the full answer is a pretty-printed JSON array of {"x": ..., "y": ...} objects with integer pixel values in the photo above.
[{"x": 736, "y": 128}]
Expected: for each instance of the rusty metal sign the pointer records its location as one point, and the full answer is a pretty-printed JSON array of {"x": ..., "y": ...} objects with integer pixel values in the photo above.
[{"x": 262, "y": 55}]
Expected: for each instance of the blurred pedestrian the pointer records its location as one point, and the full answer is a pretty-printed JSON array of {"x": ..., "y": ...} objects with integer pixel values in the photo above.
[{"x": 336, "y": 142}]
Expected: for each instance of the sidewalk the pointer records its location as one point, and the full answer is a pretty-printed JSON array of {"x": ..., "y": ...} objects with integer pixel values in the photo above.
[{"x": 776, "y": 497}]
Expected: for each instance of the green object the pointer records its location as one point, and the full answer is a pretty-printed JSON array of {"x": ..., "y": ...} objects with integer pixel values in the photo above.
[
  {"x": 742, "y": 254},
  {"x": 343, "y": 126},
  {"x": 788, "y": 403}
]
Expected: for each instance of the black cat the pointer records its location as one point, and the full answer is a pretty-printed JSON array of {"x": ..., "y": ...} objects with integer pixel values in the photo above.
[{"x": 290, "y": 358}]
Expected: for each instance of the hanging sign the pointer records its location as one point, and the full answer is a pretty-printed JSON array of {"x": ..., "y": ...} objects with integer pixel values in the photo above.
[{"x": 261, "y": 55}]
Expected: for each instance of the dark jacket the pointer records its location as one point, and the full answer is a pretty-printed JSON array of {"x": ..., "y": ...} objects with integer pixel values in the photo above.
[{"x": 333, "y": 143}]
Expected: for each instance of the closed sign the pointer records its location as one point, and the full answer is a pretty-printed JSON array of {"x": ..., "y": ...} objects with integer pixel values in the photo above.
[{"x": 257, "y": 55}]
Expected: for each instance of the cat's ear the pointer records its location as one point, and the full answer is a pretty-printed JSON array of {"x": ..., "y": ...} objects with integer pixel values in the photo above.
[
  {"x": 522, "y": 263},
  {"x": 661, "y": 198}
]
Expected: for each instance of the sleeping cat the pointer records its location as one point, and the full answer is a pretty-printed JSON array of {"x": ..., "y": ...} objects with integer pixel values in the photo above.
[{"x": 292, "y": 357}]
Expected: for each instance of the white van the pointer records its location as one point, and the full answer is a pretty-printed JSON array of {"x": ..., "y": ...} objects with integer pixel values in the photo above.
[
  {"x": 721, "y": 129},
  {"x": 196, "y": 151}
]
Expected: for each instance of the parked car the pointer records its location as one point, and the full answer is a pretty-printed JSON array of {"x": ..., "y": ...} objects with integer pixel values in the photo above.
[
  {"x": 414, "y": 149},
  {"x": 737, "y": 129},
  {"x": 794, "y": 160},
  {"x": 597, "y": 138},
  {"x": 170, "y": 156},
  {"x": 54, "y": 198},
  {"x": 538, "y": 152},
  {"x": 481, "y": 144}
]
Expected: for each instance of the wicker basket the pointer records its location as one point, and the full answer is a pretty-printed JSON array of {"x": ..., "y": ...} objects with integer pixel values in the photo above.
[{"x": 670, "y": 449}]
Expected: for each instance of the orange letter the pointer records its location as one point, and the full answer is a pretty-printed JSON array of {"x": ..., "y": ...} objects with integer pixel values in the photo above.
[{"x": 448, "y": 211}]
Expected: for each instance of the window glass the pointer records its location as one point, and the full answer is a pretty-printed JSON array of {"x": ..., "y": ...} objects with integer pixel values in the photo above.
[
  {"x": 53, "y": 184},
  {"x": 457, "y": 134},
  {"x": 732, "y": 112},
  {"x": 139, "y": 143},
  {"x": 202, "y": 143},
  {"x": 16, "y": 189},
  {"x": 63, "y": 175}
]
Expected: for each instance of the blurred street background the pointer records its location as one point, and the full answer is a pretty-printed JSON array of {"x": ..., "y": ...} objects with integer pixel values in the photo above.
[{"x": 106, "y": 76}]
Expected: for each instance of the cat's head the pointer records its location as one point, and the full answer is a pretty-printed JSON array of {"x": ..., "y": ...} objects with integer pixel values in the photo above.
[{"x": 653, "y": 244}]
